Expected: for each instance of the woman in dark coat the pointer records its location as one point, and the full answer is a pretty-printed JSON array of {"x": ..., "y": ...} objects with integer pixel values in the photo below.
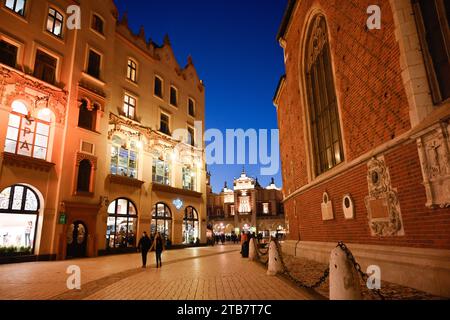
[{"x": 158, "y": 245}]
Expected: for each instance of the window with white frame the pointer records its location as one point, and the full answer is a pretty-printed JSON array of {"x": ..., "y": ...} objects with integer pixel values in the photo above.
[
  {"x": 161, "y": 170},
  {"x": 55, "y": 22},
  {"x": 188, "y": 178},
  {"x": 28, "y": 136},
  {"x": 18, "y": 6},
  {"x": 124, "y": 157},
  {"x": 97, "y": 24},
  {"x": 158, "y": 90}
]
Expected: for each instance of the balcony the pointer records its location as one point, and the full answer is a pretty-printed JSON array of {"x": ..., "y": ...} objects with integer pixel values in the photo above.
[
  {"x": 24, "y": 162},
  {"x": 126, "y": 181},
  {"x": 177, "y": 191}
]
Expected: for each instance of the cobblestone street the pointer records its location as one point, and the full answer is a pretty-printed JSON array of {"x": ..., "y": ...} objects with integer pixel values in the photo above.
[{"x": 196, "y": 274}]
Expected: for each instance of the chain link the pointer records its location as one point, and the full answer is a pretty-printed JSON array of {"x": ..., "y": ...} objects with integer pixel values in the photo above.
[
  {"x": 298, "y": 282},
  {"x": 356, "y": 265}
]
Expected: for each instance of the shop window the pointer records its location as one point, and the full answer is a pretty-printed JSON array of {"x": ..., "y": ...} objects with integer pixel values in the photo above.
[
  {"x": 27, "y": 136},
  {"x": 188, "y": 178},
  {"x": 323, "y": 111},
  {"x": 124, "y": 157},
  {"x": 19, "y": 210},
  {"x": 433, "y": 23},
  {"x": 18, "y": 6},
  {"x": 158, "y": 90},
  {"x": 84, "y": 176},
  {"x": 132, "y": 70},
  {"x": 55, "y": 22},
  {"x": 121, "y": 225},
  {"x": 161, "y": 220},
  {"x": 94, "y": 64},
  {"x": 97, "y": 24},
  {"x": 8, "y": 54},
  {"x": 87, "y": 116},
  {"x": 45, "y": 67},
  {"x": 190, "y": 226},
  {"x": 161, "y": 171}
]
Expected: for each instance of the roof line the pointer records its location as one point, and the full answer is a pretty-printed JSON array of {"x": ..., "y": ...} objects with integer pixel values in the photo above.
[{"x": 286, "y": 19}]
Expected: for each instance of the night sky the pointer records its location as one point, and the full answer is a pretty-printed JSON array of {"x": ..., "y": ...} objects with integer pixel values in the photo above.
[{"x": 234, "y": 48}]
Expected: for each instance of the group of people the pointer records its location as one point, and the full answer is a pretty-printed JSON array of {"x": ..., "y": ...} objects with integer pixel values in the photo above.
[{"x": 146, "y": 244}]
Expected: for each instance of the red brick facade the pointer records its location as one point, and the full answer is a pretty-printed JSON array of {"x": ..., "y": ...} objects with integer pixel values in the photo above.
[{"x": 375, "y": 121}]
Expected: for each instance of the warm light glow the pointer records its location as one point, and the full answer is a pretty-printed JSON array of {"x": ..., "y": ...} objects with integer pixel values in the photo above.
[
  {"x": 174, "y": 155},
  {"x": 19, "y": 107},
  {"x": 45, "y": 114}
]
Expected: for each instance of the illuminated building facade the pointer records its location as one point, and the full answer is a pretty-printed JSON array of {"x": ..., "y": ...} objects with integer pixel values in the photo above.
[
  {"x": 100, "y": 135},
  {"x": 246, "y": 207}
]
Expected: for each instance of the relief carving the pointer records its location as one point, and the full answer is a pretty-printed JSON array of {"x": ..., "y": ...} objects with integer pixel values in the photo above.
[
  {"x": 382, "y": 204},
  {"x": 434, "y": 156}
]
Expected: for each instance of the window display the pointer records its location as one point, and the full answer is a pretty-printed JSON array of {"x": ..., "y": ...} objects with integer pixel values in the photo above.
[
  {"x": 124, "y": 158},
  {"x": 190, "y": 226},
  {"x": 161, "y": 220},
  {"x": 19, "y": 209},
  {"x": 188, "y": 178},
  {"x": 121, "y": 224},
  {"x": 161, "y": 171}
]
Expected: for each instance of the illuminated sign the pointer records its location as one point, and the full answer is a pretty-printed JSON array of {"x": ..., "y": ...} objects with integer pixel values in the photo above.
[{"x": 178, "y": 203}]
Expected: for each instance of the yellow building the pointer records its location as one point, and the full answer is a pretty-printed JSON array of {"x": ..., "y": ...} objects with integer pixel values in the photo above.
[{"x": 100, "y": 133}]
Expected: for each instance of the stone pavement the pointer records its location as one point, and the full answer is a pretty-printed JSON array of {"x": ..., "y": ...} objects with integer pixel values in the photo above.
[{"x": 196, "y": 274}]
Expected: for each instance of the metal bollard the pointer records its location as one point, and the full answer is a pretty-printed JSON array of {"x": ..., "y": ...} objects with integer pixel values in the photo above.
[
  {"x": 252, "y": 255},
  {"x": 344, "y": 279},
  {"x": 275, "y": 265}
]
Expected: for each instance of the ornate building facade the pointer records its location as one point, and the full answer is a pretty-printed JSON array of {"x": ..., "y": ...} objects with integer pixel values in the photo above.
[
  {"x": 364, "y": 133},
  {"x": 247, "y": 207},
  {"x": 100, "y": 134}
]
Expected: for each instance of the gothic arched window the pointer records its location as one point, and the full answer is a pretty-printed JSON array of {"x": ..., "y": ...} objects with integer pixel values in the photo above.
[
  {"x": 84, "y": 176},
  {"x": 323, "y": 111}
]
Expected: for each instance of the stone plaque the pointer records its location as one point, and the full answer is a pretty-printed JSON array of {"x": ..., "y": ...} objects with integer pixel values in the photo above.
[{"x": 379, "y": 208}]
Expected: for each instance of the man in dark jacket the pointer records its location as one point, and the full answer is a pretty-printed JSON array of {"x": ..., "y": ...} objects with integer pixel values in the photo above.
[{"x": 144, "y": 247}]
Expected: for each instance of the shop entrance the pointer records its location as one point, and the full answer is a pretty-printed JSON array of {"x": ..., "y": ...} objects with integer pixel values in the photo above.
[{"x": 76, "y": 240}]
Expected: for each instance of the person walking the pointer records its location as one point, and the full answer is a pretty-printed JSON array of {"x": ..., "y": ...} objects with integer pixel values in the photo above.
[
  {"x": 158, "y": 245},
  {"x": 144, "y": 246}
]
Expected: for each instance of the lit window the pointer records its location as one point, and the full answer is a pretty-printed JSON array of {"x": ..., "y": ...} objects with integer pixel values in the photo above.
[
  {"x": 164, "y": 124},
  {"x": 8, "y": 54},
  {"x": 94, "y": 64},
  {"x": 191, "y": 107},
  {"x": 132, "y": 70},
  {"x": 55, "y": 22},
  {"x": 265, "y": 208},
  {"x": 27, "y": 136},
  {"x": 124, "y": 159},
  {"x": 161, "y": 220},
  {"x": 19, "y": 210},
  {"x": 174, "y": 96},
  {"x": 161, "y": 171},
  {"x": 232, "y": 212},
  {"x": 190, "y": 225},
  {"x": 97, "y": 24},
  {"x": 129, "y": 106},
  {"x": 324, "y": 118},
  {"x": 18, "y": 6},
  {"x": 188, "y": 178},
  {"x": 121, "y": 225},
  {"x": 45, "y": 67},
  {"x": 158, "y": 91}
]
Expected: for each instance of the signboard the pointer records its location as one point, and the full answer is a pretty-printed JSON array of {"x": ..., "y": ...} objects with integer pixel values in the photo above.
[{"x": 62, "y": 218}]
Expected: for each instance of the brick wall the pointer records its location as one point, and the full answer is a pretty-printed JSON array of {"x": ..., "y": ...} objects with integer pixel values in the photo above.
[{"x": 374, "y": 109}]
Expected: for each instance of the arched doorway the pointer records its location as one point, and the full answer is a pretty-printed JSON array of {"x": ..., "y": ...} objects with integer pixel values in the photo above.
[
  {"x": 161, "y": 220},
  {"x": 19, "y": 213},
  {"x": 190, "y": 225},
  {"x": 121, "y": 225},
  {"x": 76, "y": 240}
]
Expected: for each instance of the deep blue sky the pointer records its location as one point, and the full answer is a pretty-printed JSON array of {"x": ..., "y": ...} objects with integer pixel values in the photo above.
[{"x": 234, "y": 48}]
